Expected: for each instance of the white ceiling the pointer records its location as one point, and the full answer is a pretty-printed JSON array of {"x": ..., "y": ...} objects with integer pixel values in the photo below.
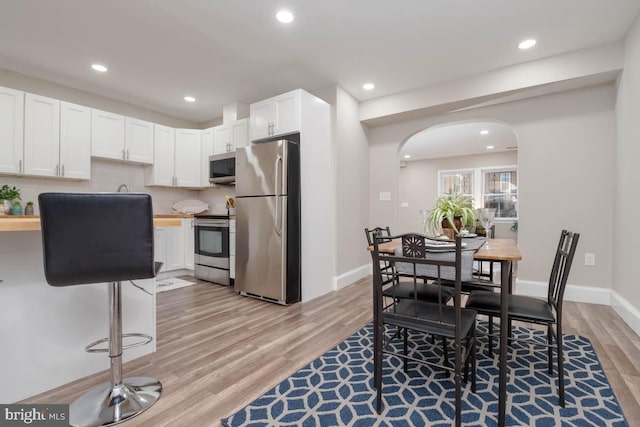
[
  {"x": 223, "y": 51},
  {"x": 459, "y": 139}
]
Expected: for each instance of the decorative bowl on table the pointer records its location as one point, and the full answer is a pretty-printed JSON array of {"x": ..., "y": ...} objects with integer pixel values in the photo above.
[{"x": 190, "y": 206}]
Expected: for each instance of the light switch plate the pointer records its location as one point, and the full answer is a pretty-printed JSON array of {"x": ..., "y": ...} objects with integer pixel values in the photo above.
[
  {"x": 385, "y": 196},
  {"x": 404, "y": 204},
  {"x": 589, "y": 259}
]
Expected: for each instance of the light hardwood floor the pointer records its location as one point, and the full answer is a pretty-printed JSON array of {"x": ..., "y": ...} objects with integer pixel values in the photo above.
[{"x": 218, "y": 351}]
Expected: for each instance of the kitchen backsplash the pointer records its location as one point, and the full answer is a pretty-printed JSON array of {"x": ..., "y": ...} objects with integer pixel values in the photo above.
[{"x": 107, "y": 176}]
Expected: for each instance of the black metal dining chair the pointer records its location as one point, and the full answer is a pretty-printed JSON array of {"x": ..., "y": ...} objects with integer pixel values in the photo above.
[
  {"x": 535, "y": 310},
  {"x": 434, "y": 318}
]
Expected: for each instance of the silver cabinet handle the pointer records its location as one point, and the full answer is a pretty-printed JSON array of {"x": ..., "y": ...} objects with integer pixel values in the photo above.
[
  {"x": 62, "y": 173},
  {"x": 57, "y": 169},
  {"x": 20, "y": 166},
  {"x": 122, "y": 154},
  {"x": 127, "y": 154}
]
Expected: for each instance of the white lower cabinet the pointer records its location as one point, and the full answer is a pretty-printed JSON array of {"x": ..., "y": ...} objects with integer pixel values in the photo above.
[
  {"x": 232, "y": 249},
  {"x": 174, "y": 246},
  {"x": 189, "y": 243}
]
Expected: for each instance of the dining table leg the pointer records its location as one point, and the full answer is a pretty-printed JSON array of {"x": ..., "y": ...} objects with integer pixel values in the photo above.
[{"x": 505, "y": 287}]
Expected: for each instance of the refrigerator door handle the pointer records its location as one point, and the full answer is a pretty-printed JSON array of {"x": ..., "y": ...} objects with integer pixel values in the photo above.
[{"x": 278, "y": 216}]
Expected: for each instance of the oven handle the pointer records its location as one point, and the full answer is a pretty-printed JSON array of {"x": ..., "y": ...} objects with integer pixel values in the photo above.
[{"x": 278, "y": 217}]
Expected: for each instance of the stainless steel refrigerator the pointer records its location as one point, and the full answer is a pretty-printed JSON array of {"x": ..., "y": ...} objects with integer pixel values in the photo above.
[{"x": 268, "y": 221}]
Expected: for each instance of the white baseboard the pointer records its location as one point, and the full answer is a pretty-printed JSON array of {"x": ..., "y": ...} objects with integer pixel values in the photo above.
[
  {"x": 351, "y": 276},
  {"x": 628, "y": 312},
  {"x": 577, "y": 293}
]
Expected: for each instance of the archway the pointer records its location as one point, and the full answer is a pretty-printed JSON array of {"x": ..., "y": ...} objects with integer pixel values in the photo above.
[{"x": 478, "y": 158}]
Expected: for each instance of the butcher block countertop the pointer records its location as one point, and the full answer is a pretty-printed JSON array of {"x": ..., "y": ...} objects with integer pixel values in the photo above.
[{"x": 32, "y": 222}]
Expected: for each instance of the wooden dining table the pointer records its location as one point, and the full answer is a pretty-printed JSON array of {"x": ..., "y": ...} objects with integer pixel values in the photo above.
[{"x": 504, "y": 251}]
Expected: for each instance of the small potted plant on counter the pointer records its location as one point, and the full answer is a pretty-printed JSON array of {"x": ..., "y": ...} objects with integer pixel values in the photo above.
[
  {"x": 16, "y": 209},
  {"x": 7, "y": 196},
  {"x": 28, "y": 210}
]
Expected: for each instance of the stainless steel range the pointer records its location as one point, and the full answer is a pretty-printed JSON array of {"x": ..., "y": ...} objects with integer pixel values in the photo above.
[{"x": 212, "y": 248}]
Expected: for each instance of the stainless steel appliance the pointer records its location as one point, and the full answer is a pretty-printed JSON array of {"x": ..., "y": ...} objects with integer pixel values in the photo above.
[
  {"x": 222, "y": 168},
  {"x": 212, "y": 248},
  {"x": 268, "y": 221}
]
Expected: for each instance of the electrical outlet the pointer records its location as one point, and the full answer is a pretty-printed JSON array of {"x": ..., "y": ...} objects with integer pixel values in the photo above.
[
  {"x": 385, "y": 196},
  {"x": 404, "y": 204},
  {"x": 589, "y": 259}
]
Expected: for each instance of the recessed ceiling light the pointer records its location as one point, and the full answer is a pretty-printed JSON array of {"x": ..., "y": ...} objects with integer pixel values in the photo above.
[
  {"x": 368, "y": 86},
  {"x": 490, "y": 147},
  {"x": 189, "y": 99},
  {"x": 284, "y": 16},
  {"x": 526, "y": 44},
  {"x": 99, "y": 67},
  {"x": 407, "y": 156},
  {"x": 484, "y": 132}
]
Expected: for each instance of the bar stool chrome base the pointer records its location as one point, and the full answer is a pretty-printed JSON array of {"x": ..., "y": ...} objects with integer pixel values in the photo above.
[{"x": 107, "y": 404}]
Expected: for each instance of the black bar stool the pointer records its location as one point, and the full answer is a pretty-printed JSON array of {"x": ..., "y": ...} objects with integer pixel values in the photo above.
[{"x": 103, "y": 238}]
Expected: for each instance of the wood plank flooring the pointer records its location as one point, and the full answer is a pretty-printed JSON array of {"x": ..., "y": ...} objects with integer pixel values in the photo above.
[{"x": 218, "y": 351}]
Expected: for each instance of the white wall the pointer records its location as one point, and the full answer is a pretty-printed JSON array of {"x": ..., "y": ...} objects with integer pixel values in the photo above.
[
  {"x": 418, "y": 184},
  {"x": 566, "y": 174},
  {"x": 352, "y": 160},
  {"x": 626, "y": 274},
  {"x": 65, "y": 93}
]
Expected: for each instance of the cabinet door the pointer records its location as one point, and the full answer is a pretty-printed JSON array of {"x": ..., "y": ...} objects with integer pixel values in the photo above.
[
  {"x": 189, "y": 243},
  {"x": 107, "y": 135},
  {"x": 260, "y": 118},
  {"x": 11, "y": 130},
  {"x": 239, "y": 133},
  {"x": 138, "y": 141},
  {"x": 287, "y": 113},
  {"x": 160, "y": 247},
  {"x": 41, "y": 136},
  {"x": 221, "y": 139},
  {"x": 75, "y": 141},
  {"x": 188, "y": 152},
  {"x": 162, "y": 172},
  {"x": 175, "y": 248},
  {"x": 207, "y": 150}
]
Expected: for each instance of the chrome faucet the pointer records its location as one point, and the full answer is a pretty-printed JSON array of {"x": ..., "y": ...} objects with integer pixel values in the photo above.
[{"x": 123, "y": 187}]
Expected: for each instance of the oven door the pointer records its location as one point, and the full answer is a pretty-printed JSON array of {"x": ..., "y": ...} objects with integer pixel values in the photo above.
[{"x": 212, "y": 245}]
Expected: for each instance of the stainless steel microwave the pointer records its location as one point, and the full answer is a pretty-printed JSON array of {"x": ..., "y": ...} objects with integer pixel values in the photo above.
[{"x": 222, "y": 168}]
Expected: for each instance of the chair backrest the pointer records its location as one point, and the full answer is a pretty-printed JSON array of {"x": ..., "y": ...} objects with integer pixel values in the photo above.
[
  {"x": 94, "y": 238},
  {"x": 378, "y": 231},
  {"x": 414, "y": 257},
  {"x": 561, "y": 268}
]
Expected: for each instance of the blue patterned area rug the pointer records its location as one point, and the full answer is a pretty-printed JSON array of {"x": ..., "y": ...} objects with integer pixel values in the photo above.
[{"x": 336, "y": 389}]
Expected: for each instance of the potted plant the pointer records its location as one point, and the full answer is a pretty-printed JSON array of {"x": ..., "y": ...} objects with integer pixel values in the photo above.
[
  {"x": 450, "y": 211},
  {"x": 7, "y": 196},
  {"x": 17, "y": 208},
  {"x": 28, "y": 210}
]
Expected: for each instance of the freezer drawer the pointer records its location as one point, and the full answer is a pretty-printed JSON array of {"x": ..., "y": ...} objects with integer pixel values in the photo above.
[{"x": 261, "y": 252}]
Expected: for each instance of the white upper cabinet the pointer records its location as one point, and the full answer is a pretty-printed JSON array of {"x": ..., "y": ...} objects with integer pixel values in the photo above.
[
  {"x": 121, "y": 138},
  {"x": 75, "y": 141},
  {"x": 42, "y": 136},
  {"x": 11, "y": 130},
  {"x": 228, "y": 137},
  {"x": 207, "y": 150},
  {"x": 162, "y": 172},
  {"x": 138, "y": 141},
  {"x": 107, "y": 135},
  {"x": 275, "y": 116},
  {"x": 188, "y": 158}
]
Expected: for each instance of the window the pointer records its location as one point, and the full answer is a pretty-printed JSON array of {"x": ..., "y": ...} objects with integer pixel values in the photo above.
[
  {"x": 500, "y": 191},
  {"x": 493, "y": 187},
  {"x": 456, "y": 182}
]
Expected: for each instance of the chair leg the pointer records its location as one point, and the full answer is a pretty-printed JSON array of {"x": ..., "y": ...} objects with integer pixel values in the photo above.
[
  {"x": 406, "y": 340},
  {"x": 445, "y": 353},
  {"x": 490, "y": 337},
  {"x": 550, "y": 348},
  {"x": 560, "y": 365},
  {"x": 377, "y": 366},
  {"x": 474, "y": 354}
]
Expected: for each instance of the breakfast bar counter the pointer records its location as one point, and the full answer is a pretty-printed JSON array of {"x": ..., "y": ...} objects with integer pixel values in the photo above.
[{"x": 32, "y": 222}]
